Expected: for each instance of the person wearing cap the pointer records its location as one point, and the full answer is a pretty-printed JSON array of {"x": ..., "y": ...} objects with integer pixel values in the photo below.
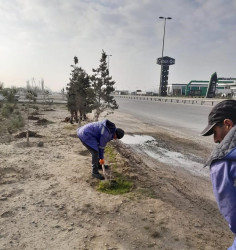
[
  {"x": 222, "y": 162},
  {"x": 95, "y": 136}
]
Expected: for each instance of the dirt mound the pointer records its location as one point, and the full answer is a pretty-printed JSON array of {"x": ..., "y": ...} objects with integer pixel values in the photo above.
[
  {"x": 35, "y": 113},
  {"x": 31, "y": 117},
  {"x": 31, "y": 134},
  {"x": 67, "y": 119},
  {"x": 49, "y": 109},
  {"x": 43, "y": 122}
]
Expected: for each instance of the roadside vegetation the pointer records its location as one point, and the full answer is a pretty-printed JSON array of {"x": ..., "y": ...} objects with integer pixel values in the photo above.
[
  {"x": 118, "y": 183},
  {"x": 13, "y": 115},
  {"x": 87, "y": 93},
  {"x": 11, "y": 119}
]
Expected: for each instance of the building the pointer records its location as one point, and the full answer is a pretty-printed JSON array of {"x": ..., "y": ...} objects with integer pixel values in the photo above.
[
  {"x": 121, "y": 92},
  {"x": 199, "y": 88}
]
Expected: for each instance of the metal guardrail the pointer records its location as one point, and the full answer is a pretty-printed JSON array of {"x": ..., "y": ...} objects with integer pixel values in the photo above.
[
  {"x": 200, "y": 101},
  {"x": 184, "y": 100}
]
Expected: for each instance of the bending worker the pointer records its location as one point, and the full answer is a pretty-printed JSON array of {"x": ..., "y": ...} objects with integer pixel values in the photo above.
[
  {"x": 222, "y": 162},
  {"x": 94, "y": 137}
]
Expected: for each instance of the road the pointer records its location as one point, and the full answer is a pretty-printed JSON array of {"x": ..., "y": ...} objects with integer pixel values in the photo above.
[{"x": 189, "y": 118}]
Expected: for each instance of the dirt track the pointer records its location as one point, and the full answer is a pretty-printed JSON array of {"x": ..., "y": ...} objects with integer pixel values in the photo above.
[{"x": 49, "y": 200}]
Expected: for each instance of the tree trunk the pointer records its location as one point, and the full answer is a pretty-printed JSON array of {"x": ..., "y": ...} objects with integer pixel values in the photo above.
[{"x": 27, "y": 131}]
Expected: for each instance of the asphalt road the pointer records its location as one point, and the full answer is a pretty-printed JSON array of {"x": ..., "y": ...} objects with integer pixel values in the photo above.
[{"x": 189, "y": 118}]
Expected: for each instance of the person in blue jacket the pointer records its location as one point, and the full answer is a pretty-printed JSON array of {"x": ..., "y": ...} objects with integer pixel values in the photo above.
[
  {"x": 95, "y": 136},
  {"x": 222, "y": 162}
]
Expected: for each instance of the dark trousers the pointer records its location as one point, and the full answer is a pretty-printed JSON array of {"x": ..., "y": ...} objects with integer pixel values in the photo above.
[{"x": 95, "y": 155}]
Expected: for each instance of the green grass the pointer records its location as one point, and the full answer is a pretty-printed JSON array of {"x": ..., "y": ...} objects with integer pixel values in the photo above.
[
  {"x": 119, "y": 184},
  {"x": 116, "y": 187}
]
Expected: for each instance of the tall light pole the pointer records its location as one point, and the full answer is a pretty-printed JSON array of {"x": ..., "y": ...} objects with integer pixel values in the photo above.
[
  {"x": 108, "y": 63},
  {"x": 163, "y": 45}
]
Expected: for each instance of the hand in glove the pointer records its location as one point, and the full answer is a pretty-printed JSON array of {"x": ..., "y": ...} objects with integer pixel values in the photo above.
[{"x": 101, "y": 161}]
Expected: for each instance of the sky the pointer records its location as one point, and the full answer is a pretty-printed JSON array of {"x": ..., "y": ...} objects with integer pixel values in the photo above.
[{"x": 39, "y": 39}]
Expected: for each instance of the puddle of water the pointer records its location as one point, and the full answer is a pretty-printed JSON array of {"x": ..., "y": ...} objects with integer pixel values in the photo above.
[
  {"x": 150, "y": 146},
  {"x": 136, "y": 139},
  {"x": 178, "y": 160}
]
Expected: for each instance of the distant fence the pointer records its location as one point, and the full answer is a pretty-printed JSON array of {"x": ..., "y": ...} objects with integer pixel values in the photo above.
[
  {"x": 40, "y": 101},
  {"x": 53, "y": 99},
  {"x": 200, "y": 101}
]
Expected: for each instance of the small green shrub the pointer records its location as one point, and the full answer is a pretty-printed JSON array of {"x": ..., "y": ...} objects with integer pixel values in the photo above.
[
  {"x": 18, "y": 121},
  {"x": 7, "y": 109},
  {"x": 10, "y": 118},
  {"x": 35, "y": 107},
  {"x": 15, "y": 123}
]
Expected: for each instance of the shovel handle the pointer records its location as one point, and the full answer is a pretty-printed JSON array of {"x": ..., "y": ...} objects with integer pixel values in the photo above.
[{"x": 104, "y": 171}]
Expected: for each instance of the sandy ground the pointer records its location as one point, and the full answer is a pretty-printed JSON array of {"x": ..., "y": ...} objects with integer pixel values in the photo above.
[{"x": 48, "y": 199}]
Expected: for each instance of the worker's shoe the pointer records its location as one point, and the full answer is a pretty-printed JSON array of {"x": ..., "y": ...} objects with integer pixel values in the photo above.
[
  {"x": 106, "y": 166},
  {"x": 98, "y": 176}
]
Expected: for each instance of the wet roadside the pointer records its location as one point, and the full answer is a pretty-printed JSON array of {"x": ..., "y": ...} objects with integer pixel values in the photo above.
[{"x": 150, "y": 147}]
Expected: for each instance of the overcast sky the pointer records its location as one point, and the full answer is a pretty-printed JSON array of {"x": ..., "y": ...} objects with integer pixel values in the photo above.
[{"x": 39, "y": 39}]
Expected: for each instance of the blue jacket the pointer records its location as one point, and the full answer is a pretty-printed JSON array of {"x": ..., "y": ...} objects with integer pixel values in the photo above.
[
  {"x": 223, "y": 176},
  {"x": 97, "y": 134}
]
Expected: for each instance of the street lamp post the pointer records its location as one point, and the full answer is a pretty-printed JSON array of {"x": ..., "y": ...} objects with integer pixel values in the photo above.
[{"x": 163, "y": 44}]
